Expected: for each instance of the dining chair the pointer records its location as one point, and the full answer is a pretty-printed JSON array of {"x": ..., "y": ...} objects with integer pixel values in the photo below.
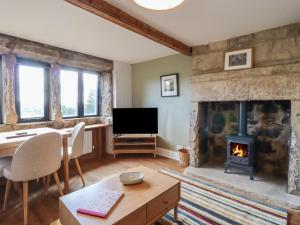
[
  {"x": 4, "y": 162},
  {"x": 75, "y": 149},
  {"x": 35, "y": 158}
]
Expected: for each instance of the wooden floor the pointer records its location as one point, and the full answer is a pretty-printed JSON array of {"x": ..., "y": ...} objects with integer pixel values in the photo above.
[{"x": 44, "y": 209}]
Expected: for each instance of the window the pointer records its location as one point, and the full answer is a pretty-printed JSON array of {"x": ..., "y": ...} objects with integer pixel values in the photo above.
[
  {"x": 1, "y": 90},
  {"x": 90, "y": 94},
  {"x": 79, "y": 93},
  {"x": 69, "y": 93},
  {"x": 31, "y": 85}
]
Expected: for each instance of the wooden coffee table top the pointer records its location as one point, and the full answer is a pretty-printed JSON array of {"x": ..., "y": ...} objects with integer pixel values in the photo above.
[{"x": 135, "y": 196}]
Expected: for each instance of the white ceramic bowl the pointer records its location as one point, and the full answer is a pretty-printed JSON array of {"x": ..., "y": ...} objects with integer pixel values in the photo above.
[{"x": 131, "y": 178}]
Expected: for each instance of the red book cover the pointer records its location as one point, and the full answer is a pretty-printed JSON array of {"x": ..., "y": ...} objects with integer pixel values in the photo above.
[{"x": 100, "y": 204}]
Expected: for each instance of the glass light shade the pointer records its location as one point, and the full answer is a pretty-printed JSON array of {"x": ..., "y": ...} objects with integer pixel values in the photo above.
[{"x": 159, "y": 4}]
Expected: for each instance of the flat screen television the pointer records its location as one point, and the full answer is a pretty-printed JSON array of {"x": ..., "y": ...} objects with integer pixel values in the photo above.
[{"x": 135, "y": 121}]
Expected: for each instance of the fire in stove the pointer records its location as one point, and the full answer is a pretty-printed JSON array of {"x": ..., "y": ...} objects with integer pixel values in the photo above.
[{"x": 239, "y": 150}]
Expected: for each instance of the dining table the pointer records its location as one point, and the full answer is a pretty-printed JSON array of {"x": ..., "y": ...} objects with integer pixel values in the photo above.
[{"x": 9, "y": 142}]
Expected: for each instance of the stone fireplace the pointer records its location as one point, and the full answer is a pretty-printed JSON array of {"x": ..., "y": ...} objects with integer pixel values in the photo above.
[{"x": 272, "y": 91}]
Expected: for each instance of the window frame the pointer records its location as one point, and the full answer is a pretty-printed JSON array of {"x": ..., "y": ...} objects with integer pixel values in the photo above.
[
  {"x": 38, "y": 64},
  {"x": 80, "y": 91},
  {"x": 1, "y": 93}
]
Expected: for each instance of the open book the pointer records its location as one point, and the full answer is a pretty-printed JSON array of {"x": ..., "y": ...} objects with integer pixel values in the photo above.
[{"x": 99, "y": 204}]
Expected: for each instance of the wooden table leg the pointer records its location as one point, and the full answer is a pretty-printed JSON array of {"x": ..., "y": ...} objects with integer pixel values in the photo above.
[
  {"x": 176, "y": 213},
  {"x": 98, "y": 140},
  {"x": 103, "y": 141},
  {"x": 66, "y": 166}
]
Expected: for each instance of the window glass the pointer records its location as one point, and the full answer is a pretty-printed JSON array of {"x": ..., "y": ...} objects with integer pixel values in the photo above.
[
  {"x": 1, "y": 90},
  {"x": 69, "y": 93},
  {"x": 90, "y": 94},
  {"x": 31, "y": 91}
]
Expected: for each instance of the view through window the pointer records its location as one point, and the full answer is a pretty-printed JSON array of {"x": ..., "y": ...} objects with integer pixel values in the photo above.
[
  {"x": 31, "y": 89},
  {"x": 90, "y": 94},
  {"x": 69, "y": 93},
  {"x": 79, "y": 93}
]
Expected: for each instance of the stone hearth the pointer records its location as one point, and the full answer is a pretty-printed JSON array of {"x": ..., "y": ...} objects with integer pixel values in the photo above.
[{"x": 275, "y": 76}]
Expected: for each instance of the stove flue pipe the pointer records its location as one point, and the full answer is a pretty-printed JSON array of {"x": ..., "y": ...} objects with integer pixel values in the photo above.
[{"x": 243, "y": 119}]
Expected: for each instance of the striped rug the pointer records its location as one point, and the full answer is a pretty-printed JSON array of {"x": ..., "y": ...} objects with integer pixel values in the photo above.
[{"x": 204, "y": 204}]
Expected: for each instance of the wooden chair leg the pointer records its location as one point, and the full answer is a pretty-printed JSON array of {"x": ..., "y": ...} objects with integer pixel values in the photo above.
[
  {"x": 47, "y": 183},
  {"x": 7, "y": 192},
  {"x": 25, "y": 201},
  {"x": 79, "y": 171},
  {"x": 58, "y": 184}
]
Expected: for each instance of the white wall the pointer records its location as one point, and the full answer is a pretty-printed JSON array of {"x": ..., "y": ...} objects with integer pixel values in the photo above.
[
  {"x": 122, "y": 85},
  {"x": 122, "y": 93}
]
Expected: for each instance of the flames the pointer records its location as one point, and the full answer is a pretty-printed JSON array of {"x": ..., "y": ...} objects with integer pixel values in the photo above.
[{"x": 239, "y": 150}]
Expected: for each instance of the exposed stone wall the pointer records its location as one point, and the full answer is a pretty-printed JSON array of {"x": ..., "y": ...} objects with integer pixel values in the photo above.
[
  {"x": 12, "y": 47},
  {"x": 271, "y": 47},
  {"x": 106, "y": 94},
  {"x": 275, "y": 76},
  {"x": 50, "y": 54},
  {"x": 8, "y": 79},
  {"x": 294, "y": 156},
  {"x": 194, "y": 133},
  {"x": 54, "y": 103}
]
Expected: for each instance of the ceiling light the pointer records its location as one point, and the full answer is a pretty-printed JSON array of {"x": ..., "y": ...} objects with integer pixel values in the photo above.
[{"x": 159, "y": 4}]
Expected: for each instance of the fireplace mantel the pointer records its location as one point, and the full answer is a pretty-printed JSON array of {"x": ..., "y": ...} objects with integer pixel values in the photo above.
[{"x": 279, "y": 82}]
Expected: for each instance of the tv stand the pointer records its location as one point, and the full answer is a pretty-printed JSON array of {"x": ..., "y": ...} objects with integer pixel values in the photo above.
[{"x": 134, "y": 144}]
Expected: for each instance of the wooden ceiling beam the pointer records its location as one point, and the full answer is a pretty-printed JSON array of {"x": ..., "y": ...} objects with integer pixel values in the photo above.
[{"x": 109, "y": 12}]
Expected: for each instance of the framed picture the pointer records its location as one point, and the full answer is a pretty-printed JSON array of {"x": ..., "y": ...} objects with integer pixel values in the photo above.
[
  {"x": 236, "y": 60},
  {"x": 169, "y": 85}
]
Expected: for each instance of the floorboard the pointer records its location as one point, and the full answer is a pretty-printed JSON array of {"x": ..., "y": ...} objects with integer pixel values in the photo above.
[{"x": 44, "y": 209}]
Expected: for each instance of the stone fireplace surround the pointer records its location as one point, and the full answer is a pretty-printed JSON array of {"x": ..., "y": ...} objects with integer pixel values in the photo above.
[{"x": 275, "y": 76}]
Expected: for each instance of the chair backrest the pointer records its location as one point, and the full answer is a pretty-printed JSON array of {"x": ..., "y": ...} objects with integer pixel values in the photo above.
[
  {"x": 37, "y": 157},
  {"x": 77, "y": 140}
]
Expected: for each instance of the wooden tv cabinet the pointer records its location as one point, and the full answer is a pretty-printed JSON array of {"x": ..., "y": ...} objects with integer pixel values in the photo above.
[{"x": 134, "y": 143}]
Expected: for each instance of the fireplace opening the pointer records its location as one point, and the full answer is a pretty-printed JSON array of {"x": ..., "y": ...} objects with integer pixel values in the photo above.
[{"x": 268, "y": 121}]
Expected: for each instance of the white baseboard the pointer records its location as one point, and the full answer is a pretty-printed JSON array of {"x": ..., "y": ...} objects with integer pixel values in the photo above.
[{"x": 167, "y": 153}]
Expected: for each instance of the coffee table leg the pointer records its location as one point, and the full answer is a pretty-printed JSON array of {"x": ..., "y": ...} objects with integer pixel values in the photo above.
[{"x": 176, "y": 213}]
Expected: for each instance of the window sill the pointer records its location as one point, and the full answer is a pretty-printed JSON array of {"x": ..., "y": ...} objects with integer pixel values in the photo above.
[{"x": 64, "y": 123}]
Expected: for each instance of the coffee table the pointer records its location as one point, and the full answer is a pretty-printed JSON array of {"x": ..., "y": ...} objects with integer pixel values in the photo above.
[{"x": 142, "y": 204}]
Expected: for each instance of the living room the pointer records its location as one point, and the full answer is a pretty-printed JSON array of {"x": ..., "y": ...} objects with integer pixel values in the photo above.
[{"x": 150, "y": 112}]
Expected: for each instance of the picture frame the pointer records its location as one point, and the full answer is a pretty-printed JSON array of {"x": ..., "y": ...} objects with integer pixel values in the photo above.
[
  {"x": 169, "y": 85},
  {"x": 240, "y": 59}
]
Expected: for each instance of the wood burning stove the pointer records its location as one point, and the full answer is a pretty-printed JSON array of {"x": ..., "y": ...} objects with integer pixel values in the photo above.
[{"x": 240, "y": 148}]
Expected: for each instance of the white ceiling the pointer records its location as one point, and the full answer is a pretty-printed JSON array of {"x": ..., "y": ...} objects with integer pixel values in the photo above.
[{"x": 195, "y": 22}]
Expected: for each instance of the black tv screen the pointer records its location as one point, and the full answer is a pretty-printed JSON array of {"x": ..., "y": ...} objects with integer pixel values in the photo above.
[{"x": 135, "y": 121}]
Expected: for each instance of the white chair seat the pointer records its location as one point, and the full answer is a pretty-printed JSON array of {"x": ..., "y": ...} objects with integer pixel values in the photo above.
[
  {"x": 36, "y": 157},
  {"x": 4, "y": 162},
  {"x": 7, "y": 172},
  {"x": 75, "y": 147}
]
